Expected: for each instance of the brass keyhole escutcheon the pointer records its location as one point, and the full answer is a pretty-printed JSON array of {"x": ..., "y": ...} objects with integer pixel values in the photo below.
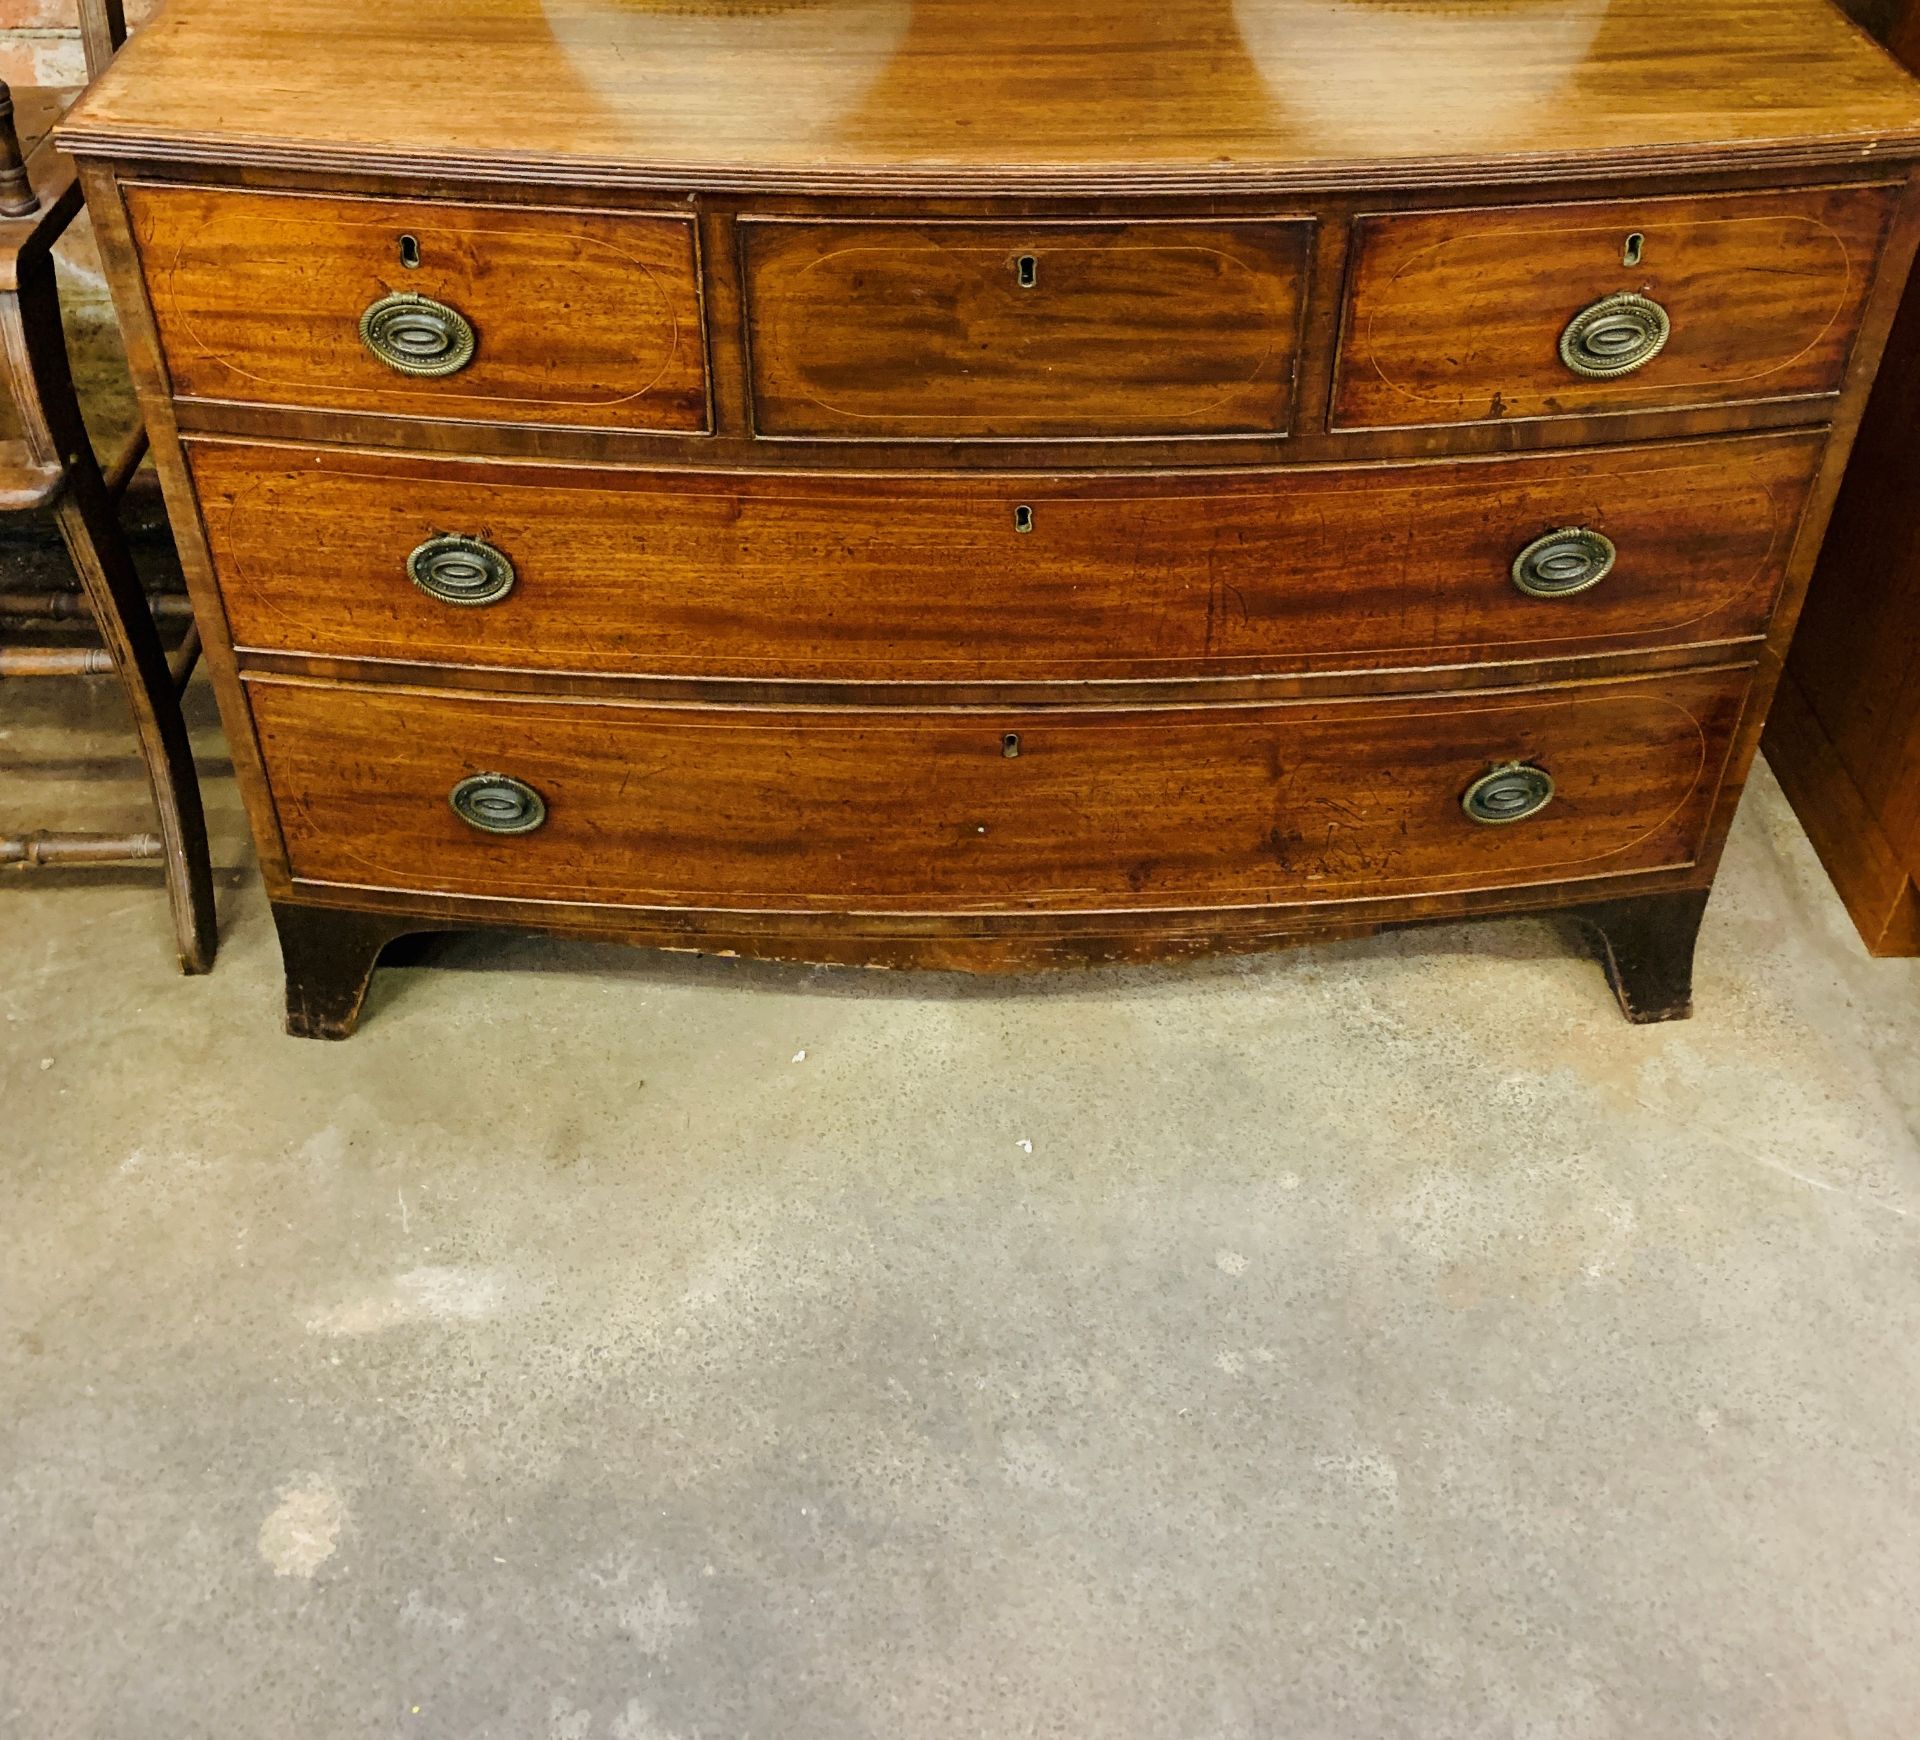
[
  {"x": 1026, "y": 271},
  {"x": 1010, "y": 745},
  {"x": 1023, "y": 518},
  {"x": 1510, "y": 792},
  {"x": 410, "y": 252},
  {"x": 1632, "y": 249},
  {"x": 496, "y": 803},
  {"x": 464, "y": 571},
  {"x": 415, "y": 335},
  {"x": 1562, "y": 563}
]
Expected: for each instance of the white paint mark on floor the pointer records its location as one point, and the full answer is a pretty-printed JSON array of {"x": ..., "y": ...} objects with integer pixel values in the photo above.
[
  {"x": 1031, "y": 1464},
  {"x": 433, "y": 1293},
  {"x": 303, "y": 1530},
  {"x": 636, "y": 1722},
  {"x": 655, "y": 1620},
  {"x": 1230, "y": 1262},
  {"x": 418, "y": 1610},
  {"x": 1369, "y": 1473}
]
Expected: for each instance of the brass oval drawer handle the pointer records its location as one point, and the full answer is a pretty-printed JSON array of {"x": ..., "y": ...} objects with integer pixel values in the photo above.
[
  {"x": 1559, "y": 564},
  {"x": 1615, "y": 336},
  {"x": 418, "y": 336},
  {"x": 461, "y": 570},
  {"x": 1508, "y": 793},
  {"x": 497, "y": 804}
]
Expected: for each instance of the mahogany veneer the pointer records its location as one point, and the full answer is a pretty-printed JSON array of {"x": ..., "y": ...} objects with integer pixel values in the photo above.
[
  {"x": 952, "y": 484},
  {"x": 1845, "y": 737}
]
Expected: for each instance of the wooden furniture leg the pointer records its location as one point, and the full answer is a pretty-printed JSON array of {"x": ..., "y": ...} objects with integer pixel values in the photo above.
[
  {"x": 1646, "y": 946},
  {"x": 329, "y": 954},
  {"x": 17, "y": 197},
  {"x": 90, "y": 525}
]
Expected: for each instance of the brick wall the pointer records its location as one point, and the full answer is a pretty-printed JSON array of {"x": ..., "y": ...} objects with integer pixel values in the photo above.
[{"x": 40, "y": 40}]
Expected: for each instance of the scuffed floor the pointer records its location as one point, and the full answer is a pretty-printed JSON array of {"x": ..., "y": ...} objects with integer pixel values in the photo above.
[{"x": 1381, "y": 1339}]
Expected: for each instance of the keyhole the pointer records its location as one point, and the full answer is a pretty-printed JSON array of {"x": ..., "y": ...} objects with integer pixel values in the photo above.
[
  {"x": 1630, "y": 254},
  {"x": 1027, "y": 269},
  {"x": 1023, "y": 518},
  {"x": 1010, "y": 745},
  {"x": 410, "y": 251}
]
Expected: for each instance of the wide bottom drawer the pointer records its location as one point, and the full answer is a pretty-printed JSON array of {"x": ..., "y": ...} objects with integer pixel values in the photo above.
[{"x": 974, "y": 810}]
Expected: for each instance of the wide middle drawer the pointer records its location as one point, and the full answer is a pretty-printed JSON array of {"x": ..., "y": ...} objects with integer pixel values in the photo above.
[{"x": 1056, "y": 578}]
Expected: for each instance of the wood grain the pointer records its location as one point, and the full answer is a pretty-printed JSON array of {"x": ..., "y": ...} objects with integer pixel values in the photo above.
[
  {"x": 1873, "y": 874},
  {"x": 775, "y": 623},
  {"x": 1846, "y": 738},
  {"x": 1212, "y": 96},
  {"x": 898, "y": 810},
  {"x": 923, "y": 331},
  {"x": 1455, "y": 317},
  {"x": 1207, "y": 574},
  {"x": 585, "y": 319}
]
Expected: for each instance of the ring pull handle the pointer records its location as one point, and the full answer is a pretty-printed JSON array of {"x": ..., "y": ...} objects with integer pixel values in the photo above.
[
  {"x": 464, "y": 571},
  {"x": 1615, "y": 336},
  {"x": 1510, "y": 792},
  {"x": 495, "y": 803},
  {"x": 1559, "y": 564},
  {"x": 416, "y": 335}
]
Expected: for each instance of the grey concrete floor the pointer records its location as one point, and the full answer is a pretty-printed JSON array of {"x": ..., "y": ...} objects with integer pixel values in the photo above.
[{"x": 1377, "y": 1339}]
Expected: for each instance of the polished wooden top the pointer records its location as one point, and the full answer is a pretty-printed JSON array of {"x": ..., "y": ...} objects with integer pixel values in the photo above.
[{"x": 991, "y": 95}]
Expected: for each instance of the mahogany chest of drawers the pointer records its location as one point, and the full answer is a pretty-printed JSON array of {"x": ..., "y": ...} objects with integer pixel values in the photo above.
[{"x": 932, "y": 482}]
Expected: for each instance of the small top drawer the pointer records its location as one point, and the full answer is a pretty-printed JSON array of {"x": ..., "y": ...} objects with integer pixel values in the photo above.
[
  {"x": 1630, "y": 305},
  {"x": 416, "y": 308},
  {"x": 1035, "y": 331}
]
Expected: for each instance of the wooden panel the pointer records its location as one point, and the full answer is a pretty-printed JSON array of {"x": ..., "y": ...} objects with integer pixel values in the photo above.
[
  {"x": 1856, "y": 652},
  {"x": 927, "y": 330},
  {"x": 585, "y": 319},
  {"x": 1226, "y": 95},
  {"x": 895, "y": 810},
  {"x": 1845, "y": 733},
  {"x": 1456, "y": 317},
  {"x": 899, "y": 578},
  {"x": 1869, "y": 871}
]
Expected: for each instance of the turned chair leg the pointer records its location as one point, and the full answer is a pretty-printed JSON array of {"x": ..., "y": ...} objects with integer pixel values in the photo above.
[
  {"x": 89, "y": 523},
  {"x": 329, "y": 954},
  {"x": 1646, "y": 946}
]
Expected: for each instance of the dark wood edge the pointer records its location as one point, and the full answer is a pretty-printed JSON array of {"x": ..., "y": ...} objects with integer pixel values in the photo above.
[
  {"x": 692, "y": 927},
  {"x": 1865, "y": 867},
  {"x": 330, "y": 947},
  {"x": 1329, "y": 682},
  {"x": 23, "y": 240},
  {"x": 1335, "y": 175},
  {"x": 328, "y": 956},
  {"x": 1646, "y": 947},
  {"x": 840, "y": 698},
  {"x": 568, "y": 468},
  {"x": 86, "y": 515},
  {"x": 667, "y": 210},
  {"x": 1883, "y": 303},
  {"x": 737, "y": 448},
  {"x": 114, "y": 235}
]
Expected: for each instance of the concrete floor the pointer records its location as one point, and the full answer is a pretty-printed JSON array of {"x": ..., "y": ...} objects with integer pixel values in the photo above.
[{"x": 1379, "y": 1339}]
